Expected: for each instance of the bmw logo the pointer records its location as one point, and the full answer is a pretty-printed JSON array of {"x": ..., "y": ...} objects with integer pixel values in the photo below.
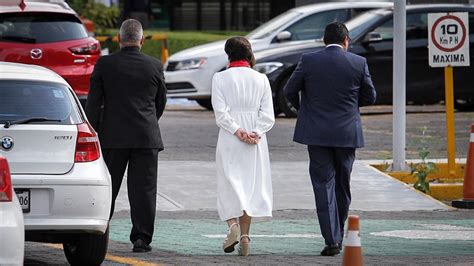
[{"x": 6, "y": 143}]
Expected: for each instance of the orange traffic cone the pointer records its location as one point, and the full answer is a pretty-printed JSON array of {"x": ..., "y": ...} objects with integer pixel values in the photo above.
[
  {"x": 468, "y": 190},
  {"x": 352, "y": 247}
]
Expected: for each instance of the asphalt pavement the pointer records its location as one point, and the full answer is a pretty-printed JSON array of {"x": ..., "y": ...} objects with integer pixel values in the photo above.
[{"x": 399, "y": 226}]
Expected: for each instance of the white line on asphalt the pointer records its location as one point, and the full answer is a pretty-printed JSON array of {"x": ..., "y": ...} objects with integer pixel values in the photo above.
[
  {"x": 436, "y": 231},
  {"x": 428, "y": 234},
  {"x": 445, "y": 227},
  {"x": 170, "y": 200},
  {"x": 272, "y": 236}
]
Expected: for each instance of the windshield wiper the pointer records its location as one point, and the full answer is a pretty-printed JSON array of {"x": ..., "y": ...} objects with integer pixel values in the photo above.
[
  {"x": 29, "y": 120},
  {"x": 18, "y": 39}
]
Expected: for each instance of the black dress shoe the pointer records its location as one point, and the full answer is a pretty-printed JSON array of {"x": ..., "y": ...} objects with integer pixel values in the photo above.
[
  {"x": 141, "y": 246},
  {"x": 330, "y": 250}
]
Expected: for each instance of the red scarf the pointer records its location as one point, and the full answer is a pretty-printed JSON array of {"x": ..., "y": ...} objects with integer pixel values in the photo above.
[{"x": 239, "y": 63}]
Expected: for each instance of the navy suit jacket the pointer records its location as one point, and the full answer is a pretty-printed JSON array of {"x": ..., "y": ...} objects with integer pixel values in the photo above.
[{"x": 333, "y": 85}]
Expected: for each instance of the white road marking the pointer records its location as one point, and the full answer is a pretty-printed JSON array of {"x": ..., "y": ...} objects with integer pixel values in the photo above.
[
  {"x": 445, "y": 227},
  {"x": 273, "y": 236},
  {"x": 428, "y": 234},
  {"x": 436, "y": 232}
]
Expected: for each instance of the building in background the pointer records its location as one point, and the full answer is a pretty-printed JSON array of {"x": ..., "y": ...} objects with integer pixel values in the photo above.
[
  {"x": 235, "y": 15},
  {"x": 306, "y": 2},
  {"x": 139, "y": 10},
  {"x": 238, "y": 15}
]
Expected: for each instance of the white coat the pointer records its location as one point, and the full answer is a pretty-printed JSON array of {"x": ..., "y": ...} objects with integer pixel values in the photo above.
[{"x": 242, "y": 98}]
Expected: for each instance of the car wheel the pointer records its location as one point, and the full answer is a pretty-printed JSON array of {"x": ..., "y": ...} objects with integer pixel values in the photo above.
[
  {"x": 283, "y": 103},
  {"x": 206, "y": 103},
  {"x": 87, "y": 249},
  {"x": 464, "y": 105}
]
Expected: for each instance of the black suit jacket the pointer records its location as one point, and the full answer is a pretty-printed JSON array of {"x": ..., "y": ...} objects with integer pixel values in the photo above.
[
  {"x": 333, "y": 84},
  {"x": 130, "y": 86}
]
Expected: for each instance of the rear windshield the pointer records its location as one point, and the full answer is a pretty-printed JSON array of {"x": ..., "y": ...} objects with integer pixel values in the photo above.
[
  {"x": 31, "y": 99},
  {"x": 40, "y": 27}
]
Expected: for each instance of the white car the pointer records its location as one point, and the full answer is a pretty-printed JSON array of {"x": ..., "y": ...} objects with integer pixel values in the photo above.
[
  {"x": 188, "y": 73},
  {"x": 12, "y": 229},
  {"x": 56, "y": 164}
]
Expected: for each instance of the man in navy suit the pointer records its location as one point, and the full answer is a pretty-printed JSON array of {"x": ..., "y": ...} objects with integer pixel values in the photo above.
[{"x": 333, "y": 84}]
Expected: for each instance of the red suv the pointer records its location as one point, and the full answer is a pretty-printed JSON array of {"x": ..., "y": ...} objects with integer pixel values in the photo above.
[{"x": 49, "y": 34}]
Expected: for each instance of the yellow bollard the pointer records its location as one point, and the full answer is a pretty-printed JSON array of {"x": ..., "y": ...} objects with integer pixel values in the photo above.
[
  {"x": 164, "y": 51},
  {"x": 449, "y": 90}
]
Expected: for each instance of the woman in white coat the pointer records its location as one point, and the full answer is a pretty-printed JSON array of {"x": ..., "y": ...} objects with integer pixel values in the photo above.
[{"x": 242, "y": 102}]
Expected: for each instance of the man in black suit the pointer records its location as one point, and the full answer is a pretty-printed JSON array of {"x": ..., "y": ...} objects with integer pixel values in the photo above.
[
  {"x": 126, "y": 99},
  {"x": 333, "y": 84}
]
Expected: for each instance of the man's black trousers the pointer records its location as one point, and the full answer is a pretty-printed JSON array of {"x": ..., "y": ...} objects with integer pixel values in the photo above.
[
  {"x": 141, "y": 184},
  {"x": 330, "y": 169}
]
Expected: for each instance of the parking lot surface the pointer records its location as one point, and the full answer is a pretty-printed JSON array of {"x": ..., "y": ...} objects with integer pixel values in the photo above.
[{"x": 420, "y": 231}]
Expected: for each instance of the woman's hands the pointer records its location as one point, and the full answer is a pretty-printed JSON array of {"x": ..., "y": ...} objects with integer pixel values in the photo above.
[{"x": 249, "y": 138}]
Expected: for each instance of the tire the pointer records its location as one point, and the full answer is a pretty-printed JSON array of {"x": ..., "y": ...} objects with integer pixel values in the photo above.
[
  {"x": 87, "y": 249},
  {"x": 464, "y": 105},
  {"x": 283, "y": 104},
  {"x": 206, "y": 103}
]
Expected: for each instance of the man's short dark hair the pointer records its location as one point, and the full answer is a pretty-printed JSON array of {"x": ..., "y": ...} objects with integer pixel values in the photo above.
[
  {"x": 335, "y": 33},
  {"x": 239, "y": 48}
]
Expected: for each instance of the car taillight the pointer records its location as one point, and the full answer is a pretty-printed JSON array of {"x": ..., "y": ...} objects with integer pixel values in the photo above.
[
  {"x": 87, "y": 145},
  {"x": 92, "y": 48},
  {"x": 6, "y": 189}
]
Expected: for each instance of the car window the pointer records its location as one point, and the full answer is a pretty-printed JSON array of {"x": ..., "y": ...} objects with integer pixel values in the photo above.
[
  {"x": 386, "y": 30},
  {"x": 358, "y": 11},
  {"x": 359, "y": 25},
  {"x": 40, "y": 27},
  {"x": 471, "y": 23},
  {"x": 312, "y": 27},
  {"x": 26, "y": 99},
  {"x": 417, "y": 26},
  {"x": 270, "y": 27}
]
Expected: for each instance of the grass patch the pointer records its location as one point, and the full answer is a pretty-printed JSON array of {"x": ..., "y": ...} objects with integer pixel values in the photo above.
[{"x": 177, "y": 40}]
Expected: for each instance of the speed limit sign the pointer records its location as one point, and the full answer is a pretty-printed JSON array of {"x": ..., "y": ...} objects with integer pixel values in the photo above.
[{"x": 448, "y": 39}]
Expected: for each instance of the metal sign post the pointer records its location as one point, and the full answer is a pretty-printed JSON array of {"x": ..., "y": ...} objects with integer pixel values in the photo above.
[
  {"x": 448, "y": 47},
  {"x": 399, "y": 86}
]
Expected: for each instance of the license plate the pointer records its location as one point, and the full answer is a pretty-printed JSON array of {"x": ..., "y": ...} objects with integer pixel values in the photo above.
[{"x": 24, "y": 199}]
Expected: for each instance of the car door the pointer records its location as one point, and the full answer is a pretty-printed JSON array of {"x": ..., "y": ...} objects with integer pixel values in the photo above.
[
  {"x": 312, "y": 27},
  {"x": 425, "y": 85},
  {"x": 463, "y": 76},
  {"x": 379, "y": 58}
]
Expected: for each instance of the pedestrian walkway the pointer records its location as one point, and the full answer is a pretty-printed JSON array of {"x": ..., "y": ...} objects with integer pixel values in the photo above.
[
  {"x": 396, "y": 221},
  {"x": 191, "y": 185},
  {"x": 380, "y": 237}
]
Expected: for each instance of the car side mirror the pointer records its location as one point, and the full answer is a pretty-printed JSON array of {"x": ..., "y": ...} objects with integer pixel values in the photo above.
[
  {"x": 283, "y": 36},
  {"x": 372, "y": 37}
]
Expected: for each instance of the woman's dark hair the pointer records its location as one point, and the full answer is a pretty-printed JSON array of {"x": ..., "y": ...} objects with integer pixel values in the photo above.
[
  {"x": 239, "y": 48},
  {"x": 336, "y": 33}
]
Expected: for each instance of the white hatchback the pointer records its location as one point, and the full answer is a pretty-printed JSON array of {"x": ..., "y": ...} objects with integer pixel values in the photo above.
[
  {"x": 56, "y": 164},
  {"x": 12, "y": 230}
]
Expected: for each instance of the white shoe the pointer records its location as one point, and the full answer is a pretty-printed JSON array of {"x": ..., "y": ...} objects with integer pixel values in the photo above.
[
  {"x": 244, "y": 248},
  {"x": 232, "y": 238}
]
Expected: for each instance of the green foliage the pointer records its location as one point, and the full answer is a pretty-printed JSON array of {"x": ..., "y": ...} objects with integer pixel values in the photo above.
[
  {"x": 177, "y": 41},
  {"x": 103, "y": 17},
  {"x": 421, "y": 170}
]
